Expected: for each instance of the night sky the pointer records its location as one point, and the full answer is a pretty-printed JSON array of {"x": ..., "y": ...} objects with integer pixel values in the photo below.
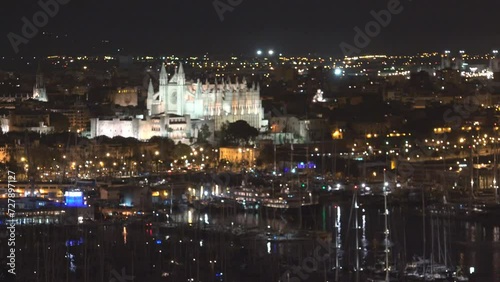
[{"x": 188, "y": 27}]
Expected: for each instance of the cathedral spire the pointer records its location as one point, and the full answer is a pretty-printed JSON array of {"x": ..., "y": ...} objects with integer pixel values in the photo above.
[
  {"x": 181, "y": 69},
  {"x": 149, "y": 99},
  {"x": 163, "y": 75},
  {"x": 163, "y": 71},
  {"x": 39, "y": 77},
  {"x": 175, "y": 77},
  {"x": 151, "y": 90},
  {"x": 181, "y": 76},
  {"x": 39, "y": 91},
  {"x": 199, "y": 89}
]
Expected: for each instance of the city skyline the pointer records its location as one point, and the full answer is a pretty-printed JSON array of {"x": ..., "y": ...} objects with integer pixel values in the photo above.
[{"x": 242, "y": 140}]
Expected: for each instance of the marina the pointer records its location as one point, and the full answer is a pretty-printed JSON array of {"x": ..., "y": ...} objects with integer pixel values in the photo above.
[{"x": 394, "y": 243}]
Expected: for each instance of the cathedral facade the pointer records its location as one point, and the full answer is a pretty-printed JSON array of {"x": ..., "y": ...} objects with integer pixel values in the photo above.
[
  {"x": 180, "y": 108},
  {"x": 222, "y": 101},
  {"x": 39, "y": 90}
]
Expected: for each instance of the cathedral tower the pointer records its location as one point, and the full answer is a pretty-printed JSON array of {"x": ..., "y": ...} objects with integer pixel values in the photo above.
[
  {"x": 149, "y": 100},
  {"x": 163, "y": 88},
  {"x": 39, "y": 91}
]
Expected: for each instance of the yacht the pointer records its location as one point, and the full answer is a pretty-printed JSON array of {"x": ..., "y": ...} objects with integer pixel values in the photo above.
[
  {"x": 246, "y": 197},
  {"x": 282, "y": 201}
]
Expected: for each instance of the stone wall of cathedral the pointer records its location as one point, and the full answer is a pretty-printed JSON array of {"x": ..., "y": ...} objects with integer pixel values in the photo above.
[{"x": 177, "y": 128}]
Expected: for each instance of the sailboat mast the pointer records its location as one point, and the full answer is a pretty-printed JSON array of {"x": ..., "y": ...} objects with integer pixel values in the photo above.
[
  {"x": 357, "y": 232},
  {"x": 275, "y": 159},
  {"x": 291, "y": 163},
  {"x": 471, "y": 172},
  {"x": 275, "y": 173},
  {"x": 445, "y": 245},
  {"x": 386, "y": 232},
  {"x": 337, "y": 225},
  {"x": 307, "y": 166},
  {"x": 495, "y": 187},
  {"x": 423, "y": 228},
  {"x": 432, "y": 245}
]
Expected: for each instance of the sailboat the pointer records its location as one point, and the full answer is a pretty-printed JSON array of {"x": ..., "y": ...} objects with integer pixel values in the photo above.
[
  {"x": 427, "y": 269},
  {"x": 382, "y": 270},
  {"x": 356, "y": 268}
]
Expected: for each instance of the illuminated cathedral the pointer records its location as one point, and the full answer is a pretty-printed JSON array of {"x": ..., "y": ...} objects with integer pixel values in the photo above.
[
  {"x": 39, "y": 90},
  {"x": 181, "y": 107}
]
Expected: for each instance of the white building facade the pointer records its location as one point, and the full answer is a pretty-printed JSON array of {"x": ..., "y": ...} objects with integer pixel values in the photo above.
[
  {"x": 39, "y": 90},
  {"x": 180, "y": 108}
]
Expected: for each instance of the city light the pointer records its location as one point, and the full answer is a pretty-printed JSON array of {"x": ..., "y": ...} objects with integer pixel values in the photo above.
[{"x": 262, "y": 144}]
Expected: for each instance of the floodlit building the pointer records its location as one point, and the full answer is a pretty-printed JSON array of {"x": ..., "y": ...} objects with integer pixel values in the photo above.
[
  {"x": 39, "y": 90},
  {"x": 239, "y": 155},
  {"x": 180, "y": 108}
]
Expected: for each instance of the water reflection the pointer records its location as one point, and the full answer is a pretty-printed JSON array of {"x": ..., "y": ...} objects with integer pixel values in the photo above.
[
  {"x": 449, "y": 241},
  {"x": 496, "y": 265},
  {"x": 190, "y": 251},
  {"x": 364, "y": 241},
  {"x": 124, "y": 235}
]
